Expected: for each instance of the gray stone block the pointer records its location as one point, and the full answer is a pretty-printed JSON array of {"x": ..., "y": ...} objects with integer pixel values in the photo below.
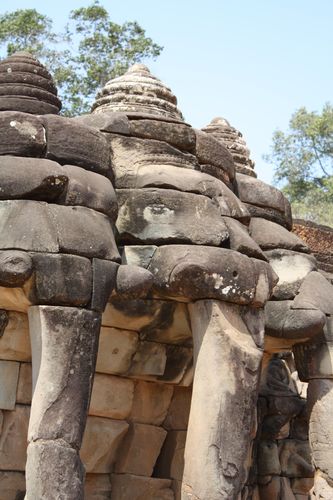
[
  {"x": 270, "y": 235},
  {"x": 15, "y": 268},
  {"x": 9, "y": 373},
  {"x": 21, "y": 134},
  {"x": 104, "y": 281},
  {"x": 178, "y": 134}
]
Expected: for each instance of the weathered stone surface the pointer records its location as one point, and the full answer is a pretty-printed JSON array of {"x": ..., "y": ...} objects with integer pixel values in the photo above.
[
  {"x": 21, "y": 134},
  {"x": 291, "y": 268},
  {"x": 89, "y": 189},
  {"x": 12, "y": 485},
  {"x": 138, "y": 255},
  {"x": 170, "y": 463},
  {"x": 179, "y": 359},
  {"x": 133, "y": 282},
  {"x": 15, "y": 268},
  {"x": 210, "y": 151},
  {"x": 103, "y": 282},
  {"x": 54, "y": 470},
  {"x": 83, "y": 231},
  {"x": 271, "y": 214},
  {"x": 241, "y": 241},
  {"x": 116, "y": 349},
  {"x": 170, "y": 326},
  {"x": 68, "y": 340},
  {"x": 197, "y": 272},
  {"x": 114, "y": 122},
  {"x": 97, "y": 487},
  {"x": 13, "y": 443},
  {"x": 61, "y": 280},
  {"x": 131, "y": 153},
  {"x": 315, "y": 293},
  {"x": 322, "y": 487},
  {"x": 268, "y": 458},
  {"x": 9, "y": 373},
  {"x": 133, "y": 314},
  {"x": 270, "y": 490},
  {"x": 256, "y": 192},
  {"x": 227, "y": 370},
  {"x": 24, "y": 386},
  {"x": 179, "y": 409},
  {"x": 15, "y": 342},
  {"x": 74, "y": 144},
  {"x": 26, "y": 105},
  {"x": 101, "y": 442},
  {"x": 302, "y": 486},
  {"x": 157, "y": 216},
  {"x": 295, "y": 458},
  {"x": 179, "y": 135},
  {"x": 151, "y": 402},
  {"x": 281, "y": 320},
  {"x": 125, "y": 486},
  {"x": 26, "y": 225},
  {"x": 140, "y": 450},
  {"x": 149, "y": 360},
  {"x": 269, "y": 235},
  {"x": 111, "y": 397}
]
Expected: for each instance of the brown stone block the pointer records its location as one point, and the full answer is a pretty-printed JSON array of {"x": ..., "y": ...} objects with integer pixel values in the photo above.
[
  {"x": 179, "y": 135},
  {"x": 140, "y": 450},
  {"x": 12, "y": 485},
  {"x": 128, "y": 486},
  {"x": 13, "y": 442},
  {"x": 179, "y": 409},
  {"x": 151, "y": 402},
  {"x": 115, "y": 351},
  {"x": 295, "y": 458},
  {"x": 15, "y": 342},
  {"x": 149, "y": 360},
  {"x": 101, "y": 442},
  {"x": 111, "y": 397},
  {"x": 97, "y": 487},
  {"x": 21, "y": 134},
  {"x": 9, "y": 372},
  {"x": 24, "y": 387},
  {"x": 170, "y": 463}
]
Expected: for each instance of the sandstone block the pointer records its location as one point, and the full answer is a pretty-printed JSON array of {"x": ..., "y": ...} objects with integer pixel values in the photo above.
[
  {"x": 132, "y": 314},
  {"x": 74, "y": 144},
  {"x": 140, "y": 450},
  {"x": 151, "y": 402},
  {"x": 291, "y": 268},
  {"x": 315, "y": 293},
  {"x": 179, "y": 360},
  {"x": 157, "y": 216},
  {"x": 241, "y": 241},
  {"x": 125, "y": 486},
  {"x": 24, "y": 386},
  {"x": 12, "y": 485},
  {"x": 64, "y": 345},
  {"x": 269, "y": 235},
  {"x": 53, "y": 471},
  {"x": 271, "y": 490},
  {"x": 116, "y": 349},
  {"x": 268, "y": 213},
  {"x": 61, "y": 280},
  {"x": 83, "y": 231},
  {"x": 101, "y": 442},
  {"x": 13, "y": 443},
  {"x": 212, "y": 152},
  {"x": 9, "y": 373},
  {"x": 268, "y": 458},
  {"x": 295, "y": 458},
  {"x": 21, "y": 134},
  {"x": 97, "y": 487},
  {"x": 256, "y": 192},
  {"x": 302, "y": 485},
  {"x": 104, "y": 281},
  {"x": 111, "y": 397},
  {"x": 15, "y": 268},
  {"x": 149, "y": 360},
  {"x": 15, "y": 342},
  {"x": 117, "y": 123},
  {"x": 179, "y": 409},
  {"x": 133, "y": 282},
  {"x": 179, "y": 135},
  {"x": 170, "y": 463},
  {"x": 89, "y": 189},
  {"x": 138, "y": 255}
]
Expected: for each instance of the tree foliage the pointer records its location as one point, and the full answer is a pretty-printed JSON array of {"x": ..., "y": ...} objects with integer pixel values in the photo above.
[
  {"x": 91, "y": 50},
  {"x": 303, "y": 160}
]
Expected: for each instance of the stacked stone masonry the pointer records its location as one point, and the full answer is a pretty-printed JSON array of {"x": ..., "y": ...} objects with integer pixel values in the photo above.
[{"x": 130, "y": 231}]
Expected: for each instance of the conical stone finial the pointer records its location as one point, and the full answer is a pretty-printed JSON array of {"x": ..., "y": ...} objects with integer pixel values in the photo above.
[
  {"x": 26, "y": 85},
  {"x": 138, "y": 91},
  {"x": 233, "y": 140}
]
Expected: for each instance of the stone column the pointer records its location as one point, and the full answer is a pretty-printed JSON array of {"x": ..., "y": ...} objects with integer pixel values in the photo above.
[
  {"x": 222, "y": 422},
  {"x": 65, "y": 341}
]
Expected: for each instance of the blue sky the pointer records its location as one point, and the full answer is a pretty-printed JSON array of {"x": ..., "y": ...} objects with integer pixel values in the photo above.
[{"x": 253, "y": 62}]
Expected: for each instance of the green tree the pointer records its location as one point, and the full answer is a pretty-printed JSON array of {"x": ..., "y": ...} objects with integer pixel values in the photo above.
[
  {"x": 303, "y": 160},
  {"x": 91, "y": 50}
]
